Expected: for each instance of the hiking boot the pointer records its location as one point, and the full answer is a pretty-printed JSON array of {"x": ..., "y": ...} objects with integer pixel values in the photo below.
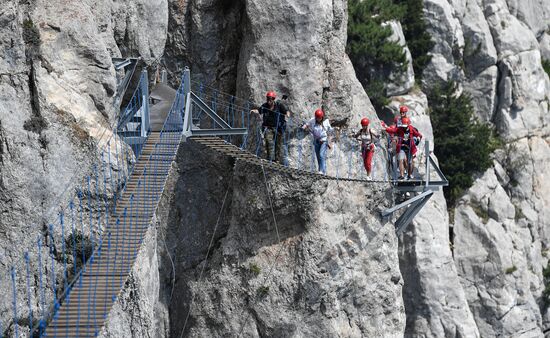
[
  {"x": 410, "y": 177},
  {"x": 369, "y": 178},
  {"x": 401, "y": 178}
]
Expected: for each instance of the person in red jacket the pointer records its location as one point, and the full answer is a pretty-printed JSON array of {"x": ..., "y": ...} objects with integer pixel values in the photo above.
[{"x": 407, "y": 139}]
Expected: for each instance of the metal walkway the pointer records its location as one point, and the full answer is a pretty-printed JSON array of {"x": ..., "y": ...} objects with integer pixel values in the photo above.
[
  {"x": 232, "y": 150},
  {"x": 84, "y": 311}
]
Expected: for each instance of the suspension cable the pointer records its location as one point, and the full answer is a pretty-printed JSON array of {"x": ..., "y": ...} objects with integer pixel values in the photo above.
[
  {"x": 278, "y": 243},
  {"x": 206, "y": 259}
]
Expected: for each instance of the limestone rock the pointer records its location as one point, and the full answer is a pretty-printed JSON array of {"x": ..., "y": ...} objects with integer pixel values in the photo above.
[
  {"x": 479, "y": 49},
  {"x": 544, "y": 43},
  {"x": 321, "y": 264},
  {"x": 440, "y": 308},
  {"x": 500, "y": 240},
  {"x": 400, "y": 82},
  {"x": 482, "y": 88},
  {"x": 523, "y": 91},
  {"x": 447, "y": 35},
  {"x": 312, "y": 67},
  {"x": 534, "y": 13}
]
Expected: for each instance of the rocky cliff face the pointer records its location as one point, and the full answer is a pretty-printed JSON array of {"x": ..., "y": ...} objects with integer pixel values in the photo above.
[
  {"x": 500, "y": 228},
  {"x": 319, "y": 264},
  {"x": 331, "y": 267}
]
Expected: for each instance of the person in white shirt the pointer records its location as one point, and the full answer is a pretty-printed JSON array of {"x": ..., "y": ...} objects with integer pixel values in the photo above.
[{"x": 320, "y": 129}]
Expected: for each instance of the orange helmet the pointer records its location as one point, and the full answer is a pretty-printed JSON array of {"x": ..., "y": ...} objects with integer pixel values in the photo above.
[
  {"x": 319, "y": 114},
  {"x": 405, "y": 122},
  {"x": 403, "y": 109},
  {"x": 271, "y": 94},
  {"x": 365, "y": 121}
]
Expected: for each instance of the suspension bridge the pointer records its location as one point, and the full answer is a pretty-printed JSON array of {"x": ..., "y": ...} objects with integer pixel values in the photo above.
[{"x": 81, "y": 264}]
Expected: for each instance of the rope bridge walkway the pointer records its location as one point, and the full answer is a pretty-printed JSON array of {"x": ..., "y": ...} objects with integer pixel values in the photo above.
[
  {"x": 226, "y": 148},
  {"x": 93, "y": 240}
]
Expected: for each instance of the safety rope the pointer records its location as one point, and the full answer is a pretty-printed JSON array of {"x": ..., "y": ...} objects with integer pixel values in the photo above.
[
  {"x": 206, "y": 258},
  {"x": 280, "y": 248}
]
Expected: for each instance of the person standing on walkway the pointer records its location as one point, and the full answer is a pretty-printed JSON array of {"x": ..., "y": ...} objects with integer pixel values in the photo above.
[
  {"x": 275, "y": 115},
  {"x": 320, "y": 129},
  {"x": 403, "y": 110},
  {"x": 367, "y": 137},
  {"x": 407, "y": 139}
]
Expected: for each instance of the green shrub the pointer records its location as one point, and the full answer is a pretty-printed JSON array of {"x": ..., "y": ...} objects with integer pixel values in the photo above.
[
  {"x": 480, "y": 212},
  {"x": 546, "y": 292},
  {"x": 368, "y": 47},
  {"x": 254, "y": 269},
  {"x": 262, "y": 291},
  {"x": 78, "y": 246},
  {"x": 511, "y": 270},
  {"x": 546, "y": 66},
  {"x": 31, "y": 35},
  {"x": 462, "y": 144}
]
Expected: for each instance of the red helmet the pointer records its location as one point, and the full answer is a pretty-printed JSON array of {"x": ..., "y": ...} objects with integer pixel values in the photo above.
[
  {"x": 365, "y": 121},
  {"x": 403, "y": 109},
  {"x": 319, "y": 114},
  {"x": 405, "y": 121},
  {"x": 271, "y": 94}
]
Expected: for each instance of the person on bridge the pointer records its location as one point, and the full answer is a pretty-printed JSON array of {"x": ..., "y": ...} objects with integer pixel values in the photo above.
[
  {"x": 275, "y": 115},
  {"x": 408, "y": 138},
  {"x": 367, "y": 136},
  {"x": 403, "y": 110},
  {"x": 320, "y": 128}
]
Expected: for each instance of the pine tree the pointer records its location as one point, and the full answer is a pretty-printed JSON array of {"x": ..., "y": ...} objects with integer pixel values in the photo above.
[
  {"x": 368, "y": 46},
  {"x": 462, "y": 144},
  {"x": 546, "y": 66},
  {"x": 418, "y": 39}
]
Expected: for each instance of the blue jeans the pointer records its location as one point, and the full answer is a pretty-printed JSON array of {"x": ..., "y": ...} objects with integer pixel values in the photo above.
[{"x": 321, "y": 153}]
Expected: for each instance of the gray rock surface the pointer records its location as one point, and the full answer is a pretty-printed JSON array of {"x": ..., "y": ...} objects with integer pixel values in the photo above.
[
  {"x": 498, "y": 253},
  {"x": 446, "y": 32},
  {"x": 328, "y": 267},
  {"x": 400, "y": 82},
  {"x": 312, "y": 66},
  {"x": 336, "y": 271},
  {"x": 435, "y": 303},
  {"x": 499, "y": 235}
]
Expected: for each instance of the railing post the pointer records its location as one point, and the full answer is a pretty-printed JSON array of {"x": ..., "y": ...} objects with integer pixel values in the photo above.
[
  {"x": 186, "y": 79},
  {"x": 145, "y": 122},
  {"x": 427, "y": 154}
]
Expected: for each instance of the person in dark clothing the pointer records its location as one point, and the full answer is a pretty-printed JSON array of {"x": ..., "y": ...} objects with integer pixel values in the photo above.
[{"x": 274, "y": 115}]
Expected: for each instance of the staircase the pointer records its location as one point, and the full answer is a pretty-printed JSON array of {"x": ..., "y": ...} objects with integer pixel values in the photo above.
[{"x": 85, "y": 309}]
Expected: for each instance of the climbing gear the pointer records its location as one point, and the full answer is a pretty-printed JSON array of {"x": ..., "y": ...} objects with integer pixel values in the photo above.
[
  {"x": 365, "y": 121},
  {"x": 319, "y": 114},
  {"x": 403, "y": 109},
  {"x": 271, "y": 95}
]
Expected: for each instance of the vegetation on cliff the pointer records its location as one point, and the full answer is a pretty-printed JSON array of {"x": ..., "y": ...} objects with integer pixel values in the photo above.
[
  {"x": 418, "y": 39},
  {"x": 370, "y": 50},
  {"x": 368, "y": 46},
  {"x": 462, "y": 144}
]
